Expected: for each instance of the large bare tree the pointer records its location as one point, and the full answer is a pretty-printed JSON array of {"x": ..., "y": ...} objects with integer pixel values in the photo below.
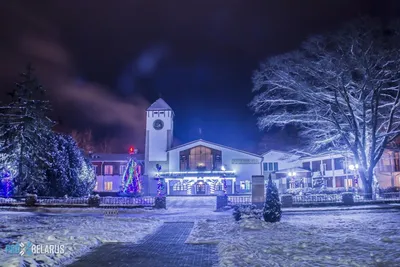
[{"x": 341, "y": 90}]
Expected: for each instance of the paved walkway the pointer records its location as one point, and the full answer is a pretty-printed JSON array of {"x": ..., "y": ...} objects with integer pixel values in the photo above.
[
  {"x": 207, "y": 202},
  {"x": 165, "y": 248}
]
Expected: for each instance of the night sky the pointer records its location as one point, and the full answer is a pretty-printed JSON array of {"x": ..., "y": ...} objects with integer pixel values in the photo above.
[{"x": 105, "y": 62}]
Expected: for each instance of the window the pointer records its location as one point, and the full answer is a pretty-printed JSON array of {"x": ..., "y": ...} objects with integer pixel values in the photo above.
[
  {"x": 122, "y": 169},
  {"x": 306, "y": 165},
  {"x": 95, "y": 169},
  {"x": 328, "y": 164},
  {"x": 108, "y": 186},
  {"x": 108, "y": 170},
  {"x": 200, "y": 157},
  {"x": 245, "y": 185},
  {"x": 339, "y": 163},
  {"x": 96, "y": 187},
  {"x": 179, "y": 186},
  {"x": 316, "y": 166},
  {"x": 219, "y": 186},
  {"x": 270, "y": 166}
]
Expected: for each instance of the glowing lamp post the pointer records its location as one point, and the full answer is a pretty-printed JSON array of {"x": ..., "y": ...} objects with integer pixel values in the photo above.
[
  {"x": 292, "y": 175},
  {"x": 354, "y": 169}
]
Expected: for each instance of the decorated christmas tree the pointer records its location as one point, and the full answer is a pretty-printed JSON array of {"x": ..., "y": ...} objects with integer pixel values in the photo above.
[
  {"x": 131, "y": 180},
  {"x": 272, "y": 208},
  {"x": 6, "y": 183}
]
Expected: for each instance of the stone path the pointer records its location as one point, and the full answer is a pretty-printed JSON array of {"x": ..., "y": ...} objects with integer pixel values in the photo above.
[{"x": 165, "y": 248}]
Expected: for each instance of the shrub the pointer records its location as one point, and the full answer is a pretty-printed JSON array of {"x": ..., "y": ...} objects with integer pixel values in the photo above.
[
  {"x": 31, "y": 199},
  {"x": 348, "y": 198},
  {"x": 391, "y": 189},
  {"x": 94, "y": 201},
  {"x": 272, "y": 209},
  {"x": 160, "y": 202},
  {"x": 246, "y": 211},
  {"x": 287, "y": 200}
]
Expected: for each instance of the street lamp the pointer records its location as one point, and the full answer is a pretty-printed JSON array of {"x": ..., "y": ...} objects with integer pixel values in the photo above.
[
  {"x": 292, "y": 175},
  {"x": 354, "y": 168}
]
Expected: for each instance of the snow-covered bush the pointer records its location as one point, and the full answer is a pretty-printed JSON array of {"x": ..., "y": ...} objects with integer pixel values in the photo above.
[
  {"x": 160, "y": 202},
  {"x": 272, "y": 208},
  {"x": 31, "y": 199},
  {"x": 246, "y": 211},
  {"x": 287, "y": 200},
  {"x": 94, "y": 201},
  {"x": 348, "y": 198}
]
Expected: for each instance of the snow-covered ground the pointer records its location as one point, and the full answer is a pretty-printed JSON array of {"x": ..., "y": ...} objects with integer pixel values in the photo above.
[
  {"x": 333, "y": 238},
  {"x": 76, "y": 233}
]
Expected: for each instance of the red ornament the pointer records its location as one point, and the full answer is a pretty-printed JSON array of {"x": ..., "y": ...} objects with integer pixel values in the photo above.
[{"x": 131, "y": 150}]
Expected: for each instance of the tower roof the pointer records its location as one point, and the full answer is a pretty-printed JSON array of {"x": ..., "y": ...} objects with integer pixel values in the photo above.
[{"x": 160, "y": 104}]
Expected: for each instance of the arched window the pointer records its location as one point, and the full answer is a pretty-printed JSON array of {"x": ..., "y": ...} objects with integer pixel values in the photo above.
[{"x": 200, "y": 157}]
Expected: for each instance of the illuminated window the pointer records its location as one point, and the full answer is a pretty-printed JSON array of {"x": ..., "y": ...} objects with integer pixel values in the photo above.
[
  {"x": 108, "y": 186},
  {"x": 179, "y": 186},
  {"x": 108, "y": 170},
  {"x": 95, "y": 187},
  {"x": 349, "y": 182},
  {"x": 122, "y": 169},
  {"x": 245, "y": 185},
  {"x": 200, "y": 157}
]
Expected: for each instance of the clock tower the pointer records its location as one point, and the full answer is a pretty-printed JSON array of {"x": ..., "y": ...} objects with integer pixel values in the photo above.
[{"x": 159, "y": 135}]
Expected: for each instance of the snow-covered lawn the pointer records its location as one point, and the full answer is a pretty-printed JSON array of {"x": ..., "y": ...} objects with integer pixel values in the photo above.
[
  {"x": 76, "y": 233},
  {"x": 333, "y": 238}
]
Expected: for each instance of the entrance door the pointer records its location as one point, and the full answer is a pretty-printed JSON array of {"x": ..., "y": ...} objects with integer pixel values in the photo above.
[{"x": 200, "y": 188}]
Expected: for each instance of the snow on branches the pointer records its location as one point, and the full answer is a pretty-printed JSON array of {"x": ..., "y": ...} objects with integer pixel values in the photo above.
[{"x": 341, "y": 90}]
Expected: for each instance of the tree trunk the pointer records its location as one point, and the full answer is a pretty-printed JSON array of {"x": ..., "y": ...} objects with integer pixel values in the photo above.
[{"x": 367, "y": 180}]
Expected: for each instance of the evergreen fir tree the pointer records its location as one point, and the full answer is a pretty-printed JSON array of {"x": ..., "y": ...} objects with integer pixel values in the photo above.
[
  {"x": 25, "y": 131},
  {"x": 272, "y": 208},
  {"x": 72, "y": 174}
]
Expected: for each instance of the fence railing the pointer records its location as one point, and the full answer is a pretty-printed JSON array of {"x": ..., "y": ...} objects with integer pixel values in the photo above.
[
  {"x": 239, "y": 200},
  {"x": 115, "y": 201},
  {"x": 326, "y": 198},
  {"x": 67, "y": 201},
  {"x": 7, "y": 200},
  {"x": 123, "y": 201}
]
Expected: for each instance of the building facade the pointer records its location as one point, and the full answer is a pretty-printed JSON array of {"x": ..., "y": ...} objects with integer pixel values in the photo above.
[
  {"x": 201, "y": 167},
  {"x": 195, "y": 168},
  {"x": 109, "y": 169}
]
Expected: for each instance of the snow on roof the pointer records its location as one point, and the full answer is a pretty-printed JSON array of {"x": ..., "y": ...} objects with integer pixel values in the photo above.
[
  {"x": 114, "y": 157},
  {"x": 296, "y": 169},
  {"x": 215, "y": 144},
  {"x": 160, "y": 104}
]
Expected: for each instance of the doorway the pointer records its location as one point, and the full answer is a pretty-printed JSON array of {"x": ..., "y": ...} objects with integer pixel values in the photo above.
[{"x": 200, "y": 188}]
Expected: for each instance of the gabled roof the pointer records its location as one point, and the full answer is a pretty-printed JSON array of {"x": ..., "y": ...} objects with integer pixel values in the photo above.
[
  {"x": 160, "y": 104},
  {"x": 214, "y": 144},
  {"x": 114, "y": 157},
  {"x": 278, "y": 151}
]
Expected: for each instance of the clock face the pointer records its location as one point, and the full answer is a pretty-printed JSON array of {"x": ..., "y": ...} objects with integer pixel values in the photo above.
[{"x": 158, "y": 124}]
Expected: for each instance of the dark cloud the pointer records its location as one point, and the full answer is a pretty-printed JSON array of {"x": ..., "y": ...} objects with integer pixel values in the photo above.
[{"x": 105, "y": 61}]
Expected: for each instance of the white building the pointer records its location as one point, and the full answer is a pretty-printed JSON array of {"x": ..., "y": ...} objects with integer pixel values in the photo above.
[
  {"x": 204, "y": 168},
  {"x": 198, "y": 167}
]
